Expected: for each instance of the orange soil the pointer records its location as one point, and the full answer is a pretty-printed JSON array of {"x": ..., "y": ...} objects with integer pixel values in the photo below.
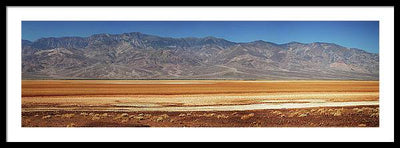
[{"x": 113, "y": 96}]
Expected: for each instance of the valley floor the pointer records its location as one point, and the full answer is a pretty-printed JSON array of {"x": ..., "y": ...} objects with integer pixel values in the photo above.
[{"x": 199, "y": 103}]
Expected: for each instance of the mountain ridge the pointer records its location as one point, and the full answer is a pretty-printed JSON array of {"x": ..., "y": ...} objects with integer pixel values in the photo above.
[
  {"x": 104, "y": 34},
  {"x": 141, "y": 56}
]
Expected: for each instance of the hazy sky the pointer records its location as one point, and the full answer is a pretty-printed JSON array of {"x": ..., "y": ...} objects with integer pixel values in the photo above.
[{"x": 353, "y": 34}]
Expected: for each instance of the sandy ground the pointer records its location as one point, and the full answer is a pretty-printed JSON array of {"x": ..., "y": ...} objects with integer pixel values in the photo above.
[
  {"x": 361, "y": 116},
  {"x": 162, "y": 103}
]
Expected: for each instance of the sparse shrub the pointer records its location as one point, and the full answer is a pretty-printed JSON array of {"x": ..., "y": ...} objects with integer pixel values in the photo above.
[
  {"x": 248, "y": 116},
  {"x": 374, "y": 115},
  {"x": 125, "y": 120},
  {"x": 139, "y": 117},
  {"x": 46, "y": 117},
  {"x": 222, "y": 116},
  {"x": 95, "y": 118},
  {"x": 277, "y": 112},
  {"x": 256, "y": 124},
  {"x": 121, "y": 116},
  {"x": 27, "y": 120},
  {"x": 338, "y": 113},
  {"x": 160, "y": 119},
  {"x": 367, "y": 108},
  {"x": 294, "y": 114},
  {"x": 209, "y": 115},
  {"x": 67, "y": 115},
  {"x": 71, "y": 125},
  {"x": 321, "y": 111},
  {"x": 124, "y": 115},
  {"x": 164, "y": 116},
  {"x": 303, "y": 115}
]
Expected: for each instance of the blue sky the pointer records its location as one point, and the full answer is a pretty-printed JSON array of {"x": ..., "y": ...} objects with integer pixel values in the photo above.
[{"x": 354, "y": 34}]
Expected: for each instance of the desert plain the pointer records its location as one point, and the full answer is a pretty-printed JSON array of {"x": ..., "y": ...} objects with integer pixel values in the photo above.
[{"x": 199, "y": 103}]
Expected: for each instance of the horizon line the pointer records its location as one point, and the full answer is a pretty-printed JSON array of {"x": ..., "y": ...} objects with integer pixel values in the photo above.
[{"x": 199, "y": 38}]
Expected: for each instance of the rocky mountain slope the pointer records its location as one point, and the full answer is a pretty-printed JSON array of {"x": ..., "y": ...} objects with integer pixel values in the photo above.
[{"x": 141, "y": 56}]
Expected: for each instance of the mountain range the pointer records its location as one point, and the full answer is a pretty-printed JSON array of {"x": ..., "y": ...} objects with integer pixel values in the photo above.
[{"x": 141, "y": 56}]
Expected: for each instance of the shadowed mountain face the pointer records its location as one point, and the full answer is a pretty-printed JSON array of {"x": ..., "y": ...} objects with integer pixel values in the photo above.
[{"x": 140, "y": 56}]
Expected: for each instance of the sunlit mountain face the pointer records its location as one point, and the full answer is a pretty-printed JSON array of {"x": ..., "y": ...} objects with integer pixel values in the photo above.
[{"x": 141, "y": 56}]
